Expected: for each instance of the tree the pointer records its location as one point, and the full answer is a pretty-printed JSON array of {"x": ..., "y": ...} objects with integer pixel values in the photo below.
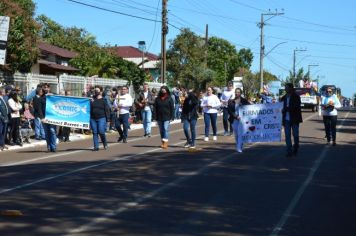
[
  {"x": 96, "y": 61},
  {"x": 22, "y": 50},
  {"x": 185, "y": 61},
  {"x": 71, "y": 38},
  {"x": 300, "y": 75},
  {"x": 223, "y": 59},
  {"x": 251, "y": 82}
]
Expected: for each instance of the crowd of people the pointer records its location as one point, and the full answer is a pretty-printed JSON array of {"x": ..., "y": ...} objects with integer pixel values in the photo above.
[{"x": 113, "y": 109}]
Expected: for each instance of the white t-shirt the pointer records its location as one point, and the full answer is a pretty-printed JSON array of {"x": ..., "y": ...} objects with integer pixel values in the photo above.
[
  {"x": 226, "y": 96},
  {"x": 125, "y": 101},
  {"x": 212, "y": 101},
  {"x": 287, "y": 105},
  {"x": 326, "y": 100},
  {"x": 147, "y": 107}
]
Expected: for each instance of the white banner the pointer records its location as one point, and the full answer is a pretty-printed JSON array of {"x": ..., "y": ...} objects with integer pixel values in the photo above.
[{"x": 261, "y": 122}]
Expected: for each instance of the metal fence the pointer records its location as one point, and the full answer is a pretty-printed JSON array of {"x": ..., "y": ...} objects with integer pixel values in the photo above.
[{"x": 76, "y": 84}]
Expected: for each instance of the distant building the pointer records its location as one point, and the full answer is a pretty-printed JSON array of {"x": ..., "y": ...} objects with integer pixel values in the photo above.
[
  {"x": 53, "y": 60},
  {"x": 150, "y": 61}
]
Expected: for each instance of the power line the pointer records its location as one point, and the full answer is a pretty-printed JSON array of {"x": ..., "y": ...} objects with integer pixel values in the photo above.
[
  {"x": 118, "y": 12},
  {"x": 314, "y": 42}
]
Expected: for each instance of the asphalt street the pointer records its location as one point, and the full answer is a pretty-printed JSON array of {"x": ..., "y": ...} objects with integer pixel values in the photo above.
[{"x": 139, "y": 189}]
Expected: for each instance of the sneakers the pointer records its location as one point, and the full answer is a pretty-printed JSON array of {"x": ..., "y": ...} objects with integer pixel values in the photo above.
[
  {"x": 120, "y": 139},
  {"x": 226, "y": 133},
  {"x": 206, "y": 139},
  {"x": 239, "y": 150},
  {"x": 187, "y": 145},
  {"x": 215, "y": 138},
  {"x": 192, "y": 147}
]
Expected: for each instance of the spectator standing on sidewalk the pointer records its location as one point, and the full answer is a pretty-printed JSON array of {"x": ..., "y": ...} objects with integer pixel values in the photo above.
[
  {"x": 210, "y": 104},
  {"x": 37, "y": 102},
  {"x": 227, "y": 95},
  {"x": 164, "y": 107},
  {"x": 15, "y": 108},
  {"x": 99, "y": 114},
  {"x": 189, "y": 118},
  {"x": 329, "y": 103},
  {"x": 4, "y": 120},
  {"x": 123, "y": 103},
  {"x": 292, "y": 117}
]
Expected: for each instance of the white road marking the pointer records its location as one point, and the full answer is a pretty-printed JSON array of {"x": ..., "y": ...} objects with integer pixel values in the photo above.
[
  {"x": 126, "y": 206},
  {"x": 79, "y": 151},
  {"x": 302, "y": 188}
]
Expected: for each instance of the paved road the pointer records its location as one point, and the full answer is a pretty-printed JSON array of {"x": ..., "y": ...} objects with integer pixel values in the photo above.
[{"x": 138, "y": 189}]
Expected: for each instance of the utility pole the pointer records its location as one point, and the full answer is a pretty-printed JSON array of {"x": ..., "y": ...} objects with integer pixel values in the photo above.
[
  {"x": 163, "y": 41},
  {"x": 262, "y": 46},
  {"x": 294, "y": 61}
]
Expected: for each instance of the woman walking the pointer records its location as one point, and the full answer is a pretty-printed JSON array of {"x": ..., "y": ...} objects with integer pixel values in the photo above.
[
  {"x": 189, "y": 118},
  {"x": 164, "y": 108},
  {"x": 329, "y": 103},
  {"x": 99, "y": 115},
  {"x": 210, "y": 104},
  {"x": 234, "y": 118}
]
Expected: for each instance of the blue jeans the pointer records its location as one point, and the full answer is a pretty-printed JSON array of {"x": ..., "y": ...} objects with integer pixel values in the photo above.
[
  {"x": 39, "y": 131},
  {"x": 123, "y": 120},
  {"x": 98, "y": 127},
  {"x": 190, "y": 124},
  {"x": 164, "y": 129},
  {"x": 51, "y": 136},
  {"x": 3, "y": 132},
  {"x": 210, "y": 117},
  {"x": 176, "y": 111},
  {"x": 147, "y": 120},
  {"x": 226, "y": 121},
  {"x": 288, "y": 129}
]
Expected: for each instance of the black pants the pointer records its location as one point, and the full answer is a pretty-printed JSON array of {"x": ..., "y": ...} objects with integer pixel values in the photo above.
[
  {"x": 15, "y": 130},
  {"x": 330, "y": 127}
]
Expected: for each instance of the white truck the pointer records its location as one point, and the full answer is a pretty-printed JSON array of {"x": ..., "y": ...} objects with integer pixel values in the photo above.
[{"x": 309, "y": 98}]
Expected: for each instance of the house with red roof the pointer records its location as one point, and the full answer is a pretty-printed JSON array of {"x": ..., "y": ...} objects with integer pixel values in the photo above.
[
  {"x": 53, "y": 60},
  {"x": 146, "y": 60}
]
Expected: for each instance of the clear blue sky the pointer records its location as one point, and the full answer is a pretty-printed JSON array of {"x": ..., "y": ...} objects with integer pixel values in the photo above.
[{"x": 325, "y": 28}]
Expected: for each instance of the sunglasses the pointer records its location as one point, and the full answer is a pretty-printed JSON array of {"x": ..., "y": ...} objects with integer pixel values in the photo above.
[{"x": 330, "y": 91}]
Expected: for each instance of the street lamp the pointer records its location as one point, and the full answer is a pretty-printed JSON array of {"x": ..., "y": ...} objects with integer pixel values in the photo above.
[{"x": 142, "y": 47}]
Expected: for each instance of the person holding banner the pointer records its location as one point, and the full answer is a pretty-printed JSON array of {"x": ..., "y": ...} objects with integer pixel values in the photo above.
[
  {"x": 210, "y": 104},
  {"x": 123, "y": 103},
  {"x": 233, "y": 109},
  {"x": 99, "y": 114},
  {"x": 291, "y": 118}
]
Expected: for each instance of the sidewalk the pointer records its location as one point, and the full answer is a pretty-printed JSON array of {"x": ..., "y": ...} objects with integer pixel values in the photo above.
[{"x": 74, "y": 137}]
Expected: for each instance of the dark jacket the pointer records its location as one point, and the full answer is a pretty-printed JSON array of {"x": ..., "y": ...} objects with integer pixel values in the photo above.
[
  {"x": 294, "y": 109},
  {"x": 231, "y": 107},
  {"x": 4, "y": 111},
  {"x": 190, "y": 107},
  {"x": 164, "y": 109},
  {"x": 39, "y": 107},
  {"x": 99, "y": 109},
  {"x": 141, "y": 98}
]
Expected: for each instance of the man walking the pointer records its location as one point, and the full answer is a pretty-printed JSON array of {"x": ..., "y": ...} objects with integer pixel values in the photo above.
[
  {"x": 292, "y": 117},
  {"x": 123, "y": 103}
]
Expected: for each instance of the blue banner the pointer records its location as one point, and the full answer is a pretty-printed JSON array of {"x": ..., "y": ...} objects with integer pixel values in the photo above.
[{"x": 66, "y": 111}]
